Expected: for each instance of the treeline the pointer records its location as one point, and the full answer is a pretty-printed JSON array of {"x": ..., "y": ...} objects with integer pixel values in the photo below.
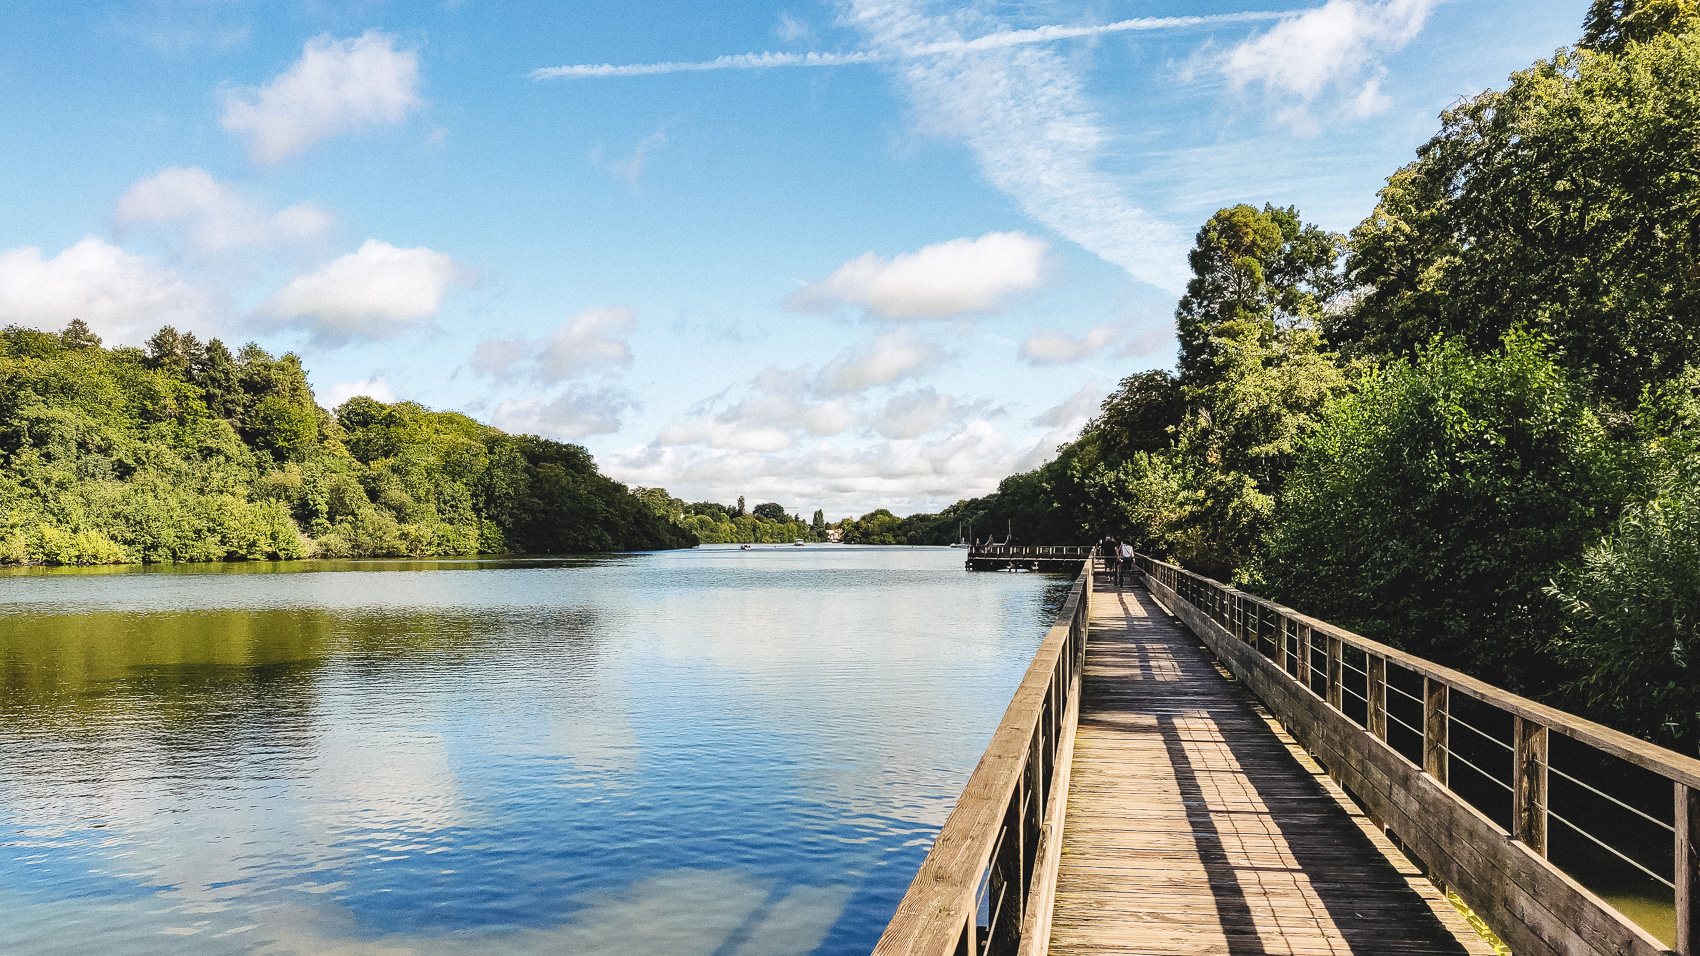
[
  {"x": 184, "y": 451},
  {"x": 714, "y": 523},
  {"x": 1470, "y": 428}
]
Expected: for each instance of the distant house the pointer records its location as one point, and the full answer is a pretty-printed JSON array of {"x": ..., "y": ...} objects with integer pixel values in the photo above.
[{"x": 833, "y": 534}]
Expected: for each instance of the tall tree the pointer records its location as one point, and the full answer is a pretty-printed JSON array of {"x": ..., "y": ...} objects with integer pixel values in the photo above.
[
  {"x": 1611, "y": 25},
  {"x": 1568, "y": 203}
]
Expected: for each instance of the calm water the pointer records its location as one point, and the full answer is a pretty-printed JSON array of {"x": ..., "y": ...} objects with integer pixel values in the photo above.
[{"x": 705, "y": 752}]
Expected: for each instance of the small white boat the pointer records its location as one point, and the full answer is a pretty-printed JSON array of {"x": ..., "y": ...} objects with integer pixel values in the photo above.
[
  {"x": 743, "y": 547},
  {"x": 798, "y": 542}
]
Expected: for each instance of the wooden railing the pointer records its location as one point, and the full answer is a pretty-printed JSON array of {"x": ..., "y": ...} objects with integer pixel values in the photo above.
[
  {"x": 1034, "y": 551},
  {"x": 985, "y": 888},
  {"x": 1469, "y": 777}
]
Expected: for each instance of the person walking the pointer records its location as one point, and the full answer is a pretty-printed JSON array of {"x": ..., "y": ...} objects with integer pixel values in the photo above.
[
  {"x": 1125, "y": 567},
  {"x": 1107, "y": 548}
]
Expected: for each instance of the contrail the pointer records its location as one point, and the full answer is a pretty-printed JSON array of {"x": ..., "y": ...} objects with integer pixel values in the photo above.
[{"x": 992, "y": 41}]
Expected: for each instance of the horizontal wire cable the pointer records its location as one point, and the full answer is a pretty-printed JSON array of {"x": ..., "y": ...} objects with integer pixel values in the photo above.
[
  {"x": 1610, "y": 849},
  {"x": 1453, "y": 755},
  {"x": 1596, "y": 790},
  {"x": 1482, "y": 733}
]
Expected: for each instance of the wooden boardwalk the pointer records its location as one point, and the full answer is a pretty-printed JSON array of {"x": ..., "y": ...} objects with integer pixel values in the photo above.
[{"x": 1196, "y": 826}]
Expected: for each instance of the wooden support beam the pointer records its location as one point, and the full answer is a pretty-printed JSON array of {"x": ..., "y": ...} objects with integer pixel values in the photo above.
[
  {"x": 1529, "y": 784},
  {"x": 1687, "y": 870},
  {"x": 1335, "y": 674},
  {"x": 1304, "y": 656},
  {"x": 1436, "y": 727},
  {"x": 1377, "y": 696}
]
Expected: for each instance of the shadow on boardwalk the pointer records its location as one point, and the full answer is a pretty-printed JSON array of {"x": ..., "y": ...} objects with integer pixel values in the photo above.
[{"x": 1194, "y": 827}]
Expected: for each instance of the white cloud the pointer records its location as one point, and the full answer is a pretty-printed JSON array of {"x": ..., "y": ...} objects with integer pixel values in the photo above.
[
  {"x": 843, "y": 477},
  {"x": 630, "y": 168},
  {"x": 1059, "y": 348},
  {"x": 574, "y": 414},
  {"x": 1074, "y": 410},
  {"x": 121, "y": 296},
  {"x": 375, "y": 387},
  {"x": 218, "y": 216},
  {"x": 337, "y": 86},
  {"x": 376, "y": 291},
  {"x": 1023, "y": 110},
  {"x": 590, "y": 339},
  {"x": 940, "y": 281},
  {"x": 792, "y": 30},
  {"x": 890, "y": 358},
  {"x": 1064, "y": 422},
  {"x": 1301, "y": 57},
  {"x": 916, "y": 413}
]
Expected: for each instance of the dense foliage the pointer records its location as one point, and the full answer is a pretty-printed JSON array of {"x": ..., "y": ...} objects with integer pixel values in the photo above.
[
  {"x": 183, "y": 451},
  {"x": 1431, "y": 506},
  {"x": 1568, "y": 203},
  {"x": 1471, "y": 428},
  {"x": 714, "y": 523}
]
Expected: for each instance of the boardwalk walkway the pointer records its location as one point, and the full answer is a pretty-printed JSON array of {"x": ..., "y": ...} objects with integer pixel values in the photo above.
[{"x": 1195, "y": 826}]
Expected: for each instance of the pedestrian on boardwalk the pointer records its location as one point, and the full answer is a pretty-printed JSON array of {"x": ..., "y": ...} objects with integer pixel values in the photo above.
[
  {"x": 1125, "y": 566},
  {"x": 1107, "y": 548}
]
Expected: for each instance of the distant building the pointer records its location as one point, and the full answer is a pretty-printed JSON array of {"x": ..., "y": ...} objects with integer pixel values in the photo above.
[{"x": 833, "y": 534}]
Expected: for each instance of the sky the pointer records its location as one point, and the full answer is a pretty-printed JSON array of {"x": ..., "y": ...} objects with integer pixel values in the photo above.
[{"x": 839, "y": 255}]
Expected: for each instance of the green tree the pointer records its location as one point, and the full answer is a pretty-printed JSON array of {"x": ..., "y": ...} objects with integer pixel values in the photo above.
[
  {"x": 1252, "y": 269},
  {"x": 1632, "y": 629},
  {"x": 1431, "y": 506},
  {"x": 1569, "y": 203},
  {"x": 769, "y": 510},
  {"x": 1611, "y": 25}
]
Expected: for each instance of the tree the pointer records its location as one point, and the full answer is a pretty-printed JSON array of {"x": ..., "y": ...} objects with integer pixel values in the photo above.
[
  {"x": 281, "y": 427},
  {"x": 1430, "y": 507},
  {"x": 78, "y": 335},
  {"x": 769, "y": 510},
  {"x": 1141, "y": 415},
  {"x": 1568, "y": 203},
  {"x": 740, "y": 510},
  {"x": 1611, "y": 25},
  {"x": 818, "y": 525},
  {"x": 1252, "y": 269},
  {"x": 1632, "y": 629}
]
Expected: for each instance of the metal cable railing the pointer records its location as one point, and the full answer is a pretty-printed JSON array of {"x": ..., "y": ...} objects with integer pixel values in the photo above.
[
  {"x": 985, "y": 887},
  {"x": 1314, "y": 657}
]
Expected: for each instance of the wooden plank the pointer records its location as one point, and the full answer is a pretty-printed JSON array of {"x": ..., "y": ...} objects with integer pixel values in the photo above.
[
  {"x": 1687, "y": 871},
  {"x": 1533, "y": 906},
  {"x": 938, "y": 911},
  {"x": 1195, "y": 826},
  {"x": 1529, "y": 783}
]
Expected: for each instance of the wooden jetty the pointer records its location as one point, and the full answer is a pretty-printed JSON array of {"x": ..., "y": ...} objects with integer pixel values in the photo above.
[
  {"x": 1057, "y": 559},
  {"x": 1186, "y": 768},
  {"x": 1194, "y": 826}
]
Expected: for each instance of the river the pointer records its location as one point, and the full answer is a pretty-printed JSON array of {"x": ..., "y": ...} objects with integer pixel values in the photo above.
[{"x": 710, "y": 752}]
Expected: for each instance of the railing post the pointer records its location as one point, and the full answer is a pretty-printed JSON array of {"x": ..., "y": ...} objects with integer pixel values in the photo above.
[
  {"x": 1687, "y": 871},
  {"x": 1529, "y": 784},
  {"x": 1436, "y": 726},
  {"x": 1281, "y": 625},
  {"x": 1304, "y": 655},
  {"x": 1378, "y": 696},
  {"x": 1334, "y": 686}
]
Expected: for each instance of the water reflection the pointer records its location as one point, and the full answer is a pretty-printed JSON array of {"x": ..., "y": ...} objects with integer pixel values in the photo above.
[{"x": 717, "y": 752}]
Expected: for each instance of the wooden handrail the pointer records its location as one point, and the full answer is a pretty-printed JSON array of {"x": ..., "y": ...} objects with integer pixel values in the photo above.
[
  {"x": 1505, "y": 876},
  {"x": 997, "y": 851}
]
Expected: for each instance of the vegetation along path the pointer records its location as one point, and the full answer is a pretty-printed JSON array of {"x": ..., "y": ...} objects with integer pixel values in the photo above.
[{"x": 1196, "y": 826}]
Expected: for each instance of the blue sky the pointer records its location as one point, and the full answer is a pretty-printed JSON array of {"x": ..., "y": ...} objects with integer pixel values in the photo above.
[{"x": 900, "y": 259}]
